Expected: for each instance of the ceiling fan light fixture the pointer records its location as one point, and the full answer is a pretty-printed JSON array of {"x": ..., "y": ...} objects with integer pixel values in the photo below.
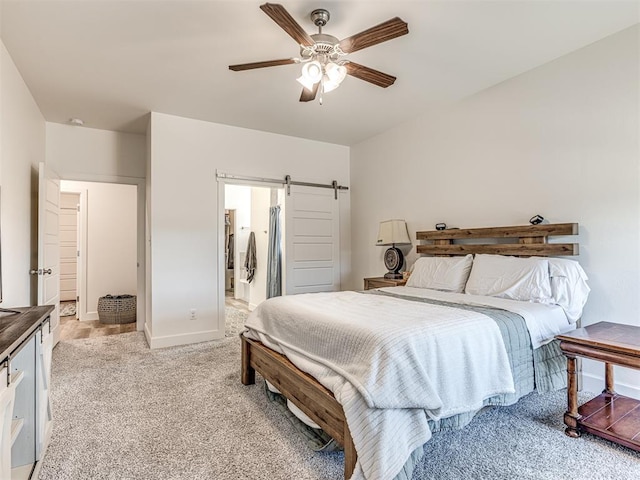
[
  {"x": 322, "y": 55},
  {"x": 305, "y": 82},
  {"x": 312, "y": 71},
  {"x": 336, "y": 73},
  {"x": 328, "y": 85}
]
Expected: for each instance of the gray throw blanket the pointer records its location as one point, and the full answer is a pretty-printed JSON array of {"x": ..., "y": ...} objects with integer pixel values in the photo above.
[{"x": 250, "y": 257}]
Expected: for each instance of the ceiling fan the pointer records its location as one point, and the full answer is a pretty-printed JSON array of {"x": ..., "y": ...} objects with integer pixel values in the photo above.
[{"x": 322, "y": 56}]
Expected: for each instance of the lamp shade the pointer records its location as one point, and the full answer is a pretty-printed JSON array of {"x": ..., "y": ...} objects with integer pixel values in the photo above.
[{"x": 393, "y": 232}]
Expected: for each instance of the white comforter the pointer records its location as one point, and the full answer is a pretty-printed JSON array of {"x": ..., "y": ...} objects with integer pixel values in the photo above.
[{"x": 391, "y": 363}]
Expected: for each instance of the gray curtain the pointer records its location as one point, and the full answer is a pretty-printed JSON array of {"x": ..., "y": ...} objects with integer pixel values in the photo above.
[{"x": 274, "y": 257}]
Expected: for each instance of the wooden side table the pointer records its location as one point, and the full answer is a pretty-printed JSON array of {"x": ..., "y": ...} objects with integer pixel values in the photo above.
[
  {"x": 609, "y": 415},
  {"x": 380, "y": 282}
]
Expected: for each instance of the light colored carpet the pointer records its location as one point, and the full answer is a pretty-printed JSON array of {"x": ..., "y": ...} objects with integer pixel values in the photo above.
[
  {"x": 123, "y": 411},
  {"x": 234, "y": 321}
]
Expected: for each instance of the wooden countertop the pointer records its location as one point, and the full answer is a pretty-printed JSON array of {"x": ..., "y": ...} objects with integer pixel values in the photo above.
[{"x": 15, "y": 328}]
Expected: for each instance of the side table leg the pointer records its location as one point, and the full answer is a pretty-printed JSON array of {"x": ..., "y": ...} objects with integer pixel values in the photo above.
[
  {"x": 608, "y": 379},
  {"x": 572, "y": 416}
]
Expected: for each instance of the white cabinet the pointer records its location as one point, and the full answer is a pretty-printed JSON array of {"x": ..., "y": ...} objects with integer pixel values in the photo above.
[
  {"x": 23, "y": 451},
  {"x": 9, "y": 429},
  {"x": 26, "y": 345},
  {"x": 43, "y": 381}
]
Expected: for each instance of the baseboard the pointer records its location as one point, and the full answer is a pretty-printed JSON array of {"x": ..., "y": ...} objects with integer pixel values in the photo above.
[
  {"x": 595, "y": 384},
  {"x": 183, "y": 338},
  {"x": 251, "y": 307},
  {"x": 147, "y": 334},
  {"x": 90, "y": 316}
]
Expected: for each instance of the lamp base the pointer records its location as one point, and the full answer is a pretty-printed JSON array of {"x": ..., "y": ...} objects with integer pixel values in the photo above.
[
  {"x": 395, "y": 276},
  {"x": 393, "y": 260}
]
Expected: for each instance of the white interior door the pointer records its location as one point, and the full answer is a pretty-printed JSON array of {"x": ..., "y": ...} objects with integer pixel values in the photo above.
[
  {"x": 69, "y": 210},
  {"x": 312, "y": 240},
  {"x": 49, "y": 245}
]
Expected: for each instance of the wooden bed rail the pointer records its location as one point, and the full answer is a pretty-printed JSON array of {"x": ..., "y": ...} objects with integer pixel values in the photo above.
[
  {"x": 303, "y": 390},
  {"x": 525, "y": 240}
]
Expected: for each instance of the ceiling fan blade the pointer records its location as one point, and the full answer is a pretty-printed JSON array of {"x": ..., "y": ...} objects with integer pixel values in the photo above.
[
  {"x": 307, "y": 96},
  {"x": 279, "y": 15},
  {"x": 268, "y": 63},
  {"x": 369, "y": 75},
  {"x": 372, "y": 36}
]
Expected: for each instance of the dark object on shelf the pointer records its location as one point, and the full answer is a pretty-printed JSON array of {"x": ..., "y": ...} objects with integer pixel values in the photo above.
[
  {"x": 536, "y": 220},
  {"x": 117, "y": 309},
  {"x": 441, "y": 226}
]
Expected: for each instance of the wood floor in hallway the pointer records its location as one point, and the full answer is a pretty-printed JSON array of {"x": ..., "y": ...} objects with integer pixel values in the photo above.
[{"x": 71, "y": 328}]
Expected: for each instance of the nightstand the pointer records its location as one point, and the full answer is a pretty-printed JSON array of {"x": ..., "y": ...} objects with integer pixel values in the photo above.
[
  {"x": 609, "y": 415},
  {"x": 379, "y": 282}
]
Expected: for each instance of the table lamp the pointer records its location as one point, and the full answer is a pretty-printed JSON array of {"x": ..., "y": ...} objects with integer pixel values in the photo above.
[{"x": 393, "y": 232}]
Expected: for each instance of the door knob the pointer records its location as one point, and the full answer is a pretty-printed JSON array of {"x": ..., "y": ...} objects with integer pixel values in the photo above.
[{"x": 40, "y": 271}]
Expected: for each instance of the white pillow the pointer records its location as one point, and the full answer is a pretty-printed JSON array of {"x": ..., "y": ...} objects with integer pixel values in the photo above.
[
  {"x": 569, "y": 286},
  {"x": 441, "y": 273},
  {"x": 525, "y": 279}
]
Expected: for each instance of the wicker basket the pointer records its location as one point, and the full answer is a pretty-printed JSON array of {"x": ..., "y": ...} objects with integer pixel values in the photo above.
[{"x": 117, "y": 309}]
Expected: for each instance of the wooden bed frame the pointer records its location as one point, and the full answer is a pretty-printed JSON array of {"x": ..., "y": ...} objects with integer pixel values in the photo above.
[{"x": 319, "y": 403}]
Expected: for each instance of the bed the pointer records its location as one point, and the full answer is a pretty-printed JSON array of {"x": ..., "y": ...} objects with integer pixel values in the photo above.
[{"x": 370, "y": 385}]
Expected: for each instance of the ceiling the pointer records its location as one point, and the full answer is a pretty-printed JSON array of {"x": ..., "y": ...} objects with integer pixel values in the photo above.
[{"x": 110, "y": 62}]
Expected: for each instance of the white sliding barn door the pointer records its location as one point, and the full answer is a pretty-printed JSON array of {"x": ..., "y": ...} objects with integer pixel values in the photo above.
[
  {"x": 48, "y": 270},
  {"x": 312, "y": 240}
]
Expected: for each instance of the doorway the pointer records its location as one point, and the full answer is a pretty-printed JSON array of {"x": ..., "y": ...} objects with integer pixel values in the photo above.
[
  {"x": 105, "y": 248},
  {"x": 246, "y": 222},
  {"x": 68, "y": 235}
]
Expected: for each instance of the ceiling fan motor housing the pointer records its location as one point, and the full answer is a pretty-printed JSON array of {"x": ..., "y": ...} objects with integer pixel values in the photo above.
[
  {"x": 324, "y": 43},
  {"x": 320, "y": 17}
]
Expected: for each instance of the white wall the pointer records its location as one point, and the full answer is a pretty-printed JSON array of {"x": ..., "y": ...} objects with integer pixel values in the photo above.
[
  {"x": 560, "y": 141},
  {"x": 90, "y": 151},
  {"x": 110, "y": 255},
  {"x": 186, "y": 230},
  {"x": 88, "y": 154},
  {"x": 22, "y": 147}
]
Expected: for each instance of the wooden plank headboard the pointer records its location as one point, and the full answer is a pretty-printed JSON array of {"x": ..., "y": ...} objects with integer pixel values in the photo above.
[{"x": 527, "y": 240}]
